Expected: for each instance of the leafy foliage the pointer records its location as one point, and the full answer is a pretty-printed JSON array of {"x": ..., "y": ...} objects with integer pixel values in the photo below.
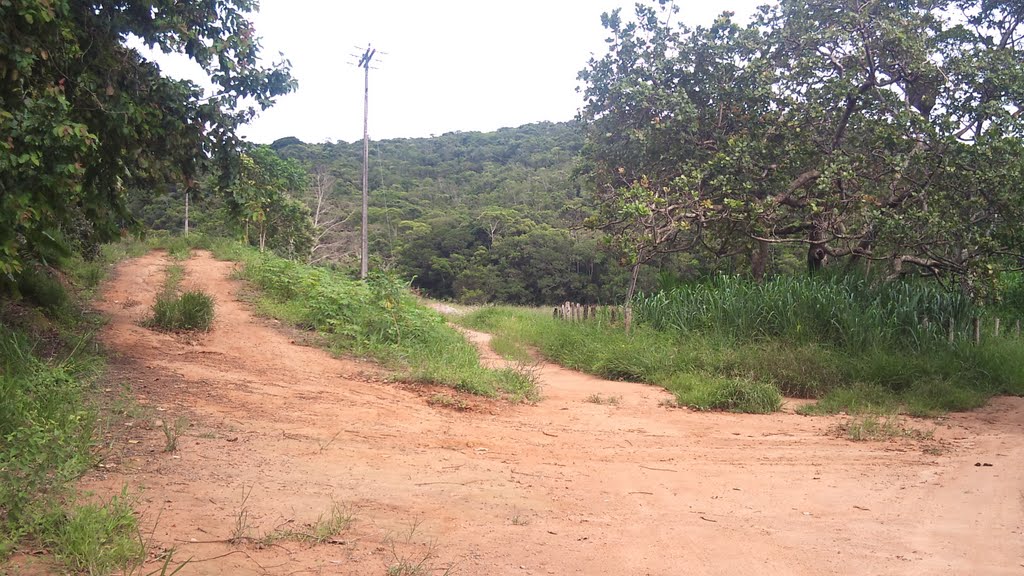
[
  {"x": 873, "y": 131},
  {"x": 85, "y": 116}
]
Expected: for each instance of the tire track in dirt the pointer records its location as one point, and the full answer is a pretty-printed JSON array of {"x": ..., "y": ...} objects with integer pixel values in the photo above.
[{"x": 562, "y": 487}]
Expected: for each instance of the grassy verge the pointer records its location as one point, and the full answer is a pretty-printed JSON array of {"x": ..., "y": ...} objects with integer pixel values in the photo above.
[
  {"x": 49, "y": 364},
  {"x": 377, "y": 318},
  {"x": 644, "y": 356},
  {"x": 713, "y": 371}
]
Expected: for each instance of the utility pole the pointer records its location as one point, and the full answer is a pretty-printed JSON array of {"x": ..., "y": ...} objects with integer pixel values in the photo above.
[
  {"x": 187, "y": 190},
  {"x": 364, "y": 258}
]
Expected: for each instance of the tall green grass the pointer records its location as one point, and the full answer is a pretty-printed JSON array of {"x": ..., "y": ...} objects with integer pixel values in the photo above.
[
  {"x": 377, "y": 318},
  {"x": 854, "y": 346},
  {"x": 841, "y": 311},
  {"x": 645, "y": 355}
]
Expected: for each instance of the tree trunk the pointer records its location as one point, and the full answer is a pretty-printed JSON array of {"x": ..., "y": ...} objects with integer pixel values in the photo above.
[
  {"x": 816, "y": 253},
  {"x": 759, "y": 261},
  {"x": 630, "y": 292}
]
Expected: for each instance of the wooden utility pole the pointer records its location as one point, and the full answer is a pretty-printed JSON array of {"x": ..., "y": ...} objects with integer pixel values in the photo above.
[{"x": 364, "y": 256}]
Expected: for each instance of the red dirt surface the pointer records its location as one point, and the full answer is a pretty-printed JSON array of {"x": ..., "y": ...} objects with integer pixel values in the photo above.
[{"x": 566, "y": 486}]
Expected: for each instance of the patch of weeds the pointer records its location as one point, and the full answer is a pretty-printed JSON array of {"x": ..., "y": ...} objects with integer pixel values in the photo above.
[
  {"x": 518, "y": 519},
  {"x": 448, "y": 401},
  {"x": 715, "y": 393},
  {"x": 746, "y": 396},
  {"x": 598, "y": 399},
  {"x": 191, "y": 310},
  {"x": 511, "y": 349},
  {"x": 173, "y": 277},
  {"x": 242, "y": 529},
  {"x": 127, "y": 406},
  {"x": 326, "y": 528},
  {"x": 172, "y": 432},
  {"x": 410, "y": 559},
  {"x": 96, "y": 538},
  {"x": 179, "y": 248},
  {"x": 874, "y": 428}
]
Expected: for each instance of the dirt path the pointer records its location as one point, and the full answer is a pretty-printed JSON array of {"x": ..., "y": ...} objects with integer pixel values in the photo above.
[{"x": 563, "y": 487}]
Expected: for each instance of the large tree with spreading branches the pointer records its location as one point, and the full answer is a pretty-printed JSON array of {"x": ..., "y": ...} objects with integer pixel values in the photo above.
[{"x": 866, "y": 131}]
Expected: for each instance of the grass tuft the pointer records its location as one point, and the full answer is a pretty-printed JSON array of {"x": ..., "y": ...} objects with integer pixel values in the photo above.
[
  {"x": 607, "y": 400},
  {"x": 96, "y": 538},
  {"x": 874, "y": 428},
  {"x": 191, "y": 311}
]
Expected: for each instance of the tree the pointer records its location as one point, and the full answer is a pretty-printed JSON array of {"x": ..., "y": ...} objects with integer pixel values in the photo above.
[
  {"x": 85, "y": 117},
  {"x": 882, "y": 130},
  {"x": 498, "y": 221},
  {"x": 327, "y": 215},
  {"x": 262, "y": 198}
]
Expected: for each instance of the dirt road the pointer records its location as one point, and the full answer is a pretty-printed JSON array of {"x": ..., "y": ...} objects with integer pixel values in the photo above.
[{"x": 566, "y": 486}]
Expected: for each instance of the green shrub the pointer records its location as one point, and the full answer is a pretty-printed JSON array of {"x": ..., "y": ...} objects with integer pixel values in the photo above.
[
  {"x": 746, "y": 396},
  {"x": 37, "y": 285}
]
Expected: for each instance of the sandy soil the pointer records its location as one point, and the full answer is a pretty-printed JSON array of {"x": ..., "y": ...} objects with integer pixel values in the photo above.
[{"x": 565, "y": 486}]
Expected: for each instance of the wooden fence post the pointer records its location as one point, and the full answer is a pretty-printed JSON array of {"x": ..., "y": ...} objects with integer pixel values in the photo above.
[
  {"x": 976, "y": 324},
  {"x": 995, "y": 331},
  {"x": 1016, "y": 329},
  {"x": 952, "y": 330}
]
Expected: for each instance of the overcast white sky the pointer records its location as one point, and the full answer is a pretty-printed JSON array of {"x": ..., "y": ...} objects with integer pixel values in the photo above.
[{"x": 448, "y": 65}]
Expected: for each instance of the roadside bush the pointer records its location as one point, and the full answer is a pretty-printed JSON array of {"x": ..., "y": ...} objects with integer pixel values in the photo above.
[{"x": 38, "y": 286}]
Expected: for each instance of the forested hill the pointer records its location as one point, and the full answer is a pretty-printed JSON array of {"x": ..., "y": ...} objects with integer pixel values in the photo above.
[
  {"x": 468, "y": 216},
  {"x": 526, "y": 168}
]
